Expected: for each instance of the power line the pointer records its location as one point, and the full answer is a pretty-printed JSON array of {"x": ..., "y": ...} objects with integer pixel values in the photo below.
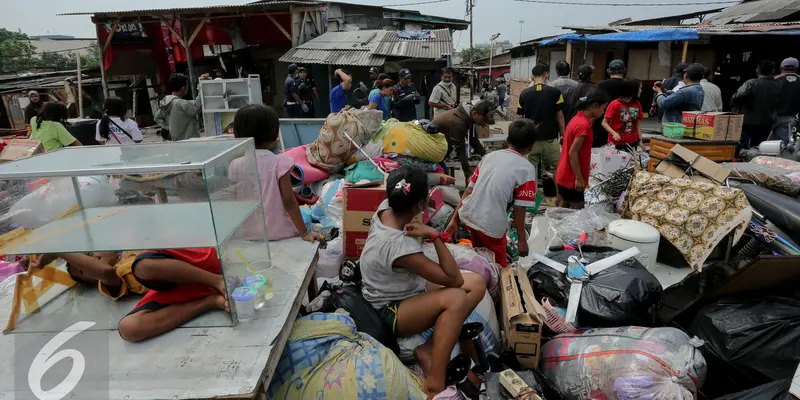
[
  {"x": 567, "y": 3},
  {"x": 416, "y": 4}
]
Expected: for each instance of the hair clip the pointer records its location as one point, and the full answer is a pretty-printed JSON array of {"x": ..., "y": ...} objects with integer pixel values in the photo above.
[
  {"x": 584, "y": 99},
  {"x": 402, "y": 185}
]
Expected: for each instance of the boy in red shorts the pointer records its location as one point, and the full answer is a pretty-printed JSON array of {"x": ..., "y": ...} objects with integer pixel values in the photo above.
[
  {"x": 183, "y": 284},
  {"x": 503, "y": 178}
]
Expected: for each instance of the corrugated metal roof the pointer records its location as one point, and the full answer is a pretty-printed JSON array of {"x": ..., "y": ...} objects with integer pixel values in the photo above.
[
  {"x": 368, "y": 47},
  {"x": 200, "y": 9},
  {"x": 703, "y": 28},
  {"x": 757, "y": 11}
]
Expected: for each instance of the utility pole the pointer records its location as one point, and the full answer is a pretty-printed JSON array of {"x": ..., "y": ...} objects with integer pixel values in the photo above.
[
  {"x": 521, "y": 24},
  {"x": 80, "y": 86},
  {"x": 471, "y": 52}
]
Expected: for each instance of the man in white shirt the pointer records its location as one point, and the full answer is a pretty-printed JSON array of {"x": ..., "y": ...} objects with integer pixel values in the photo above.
[{"x": 712, "y": 101}]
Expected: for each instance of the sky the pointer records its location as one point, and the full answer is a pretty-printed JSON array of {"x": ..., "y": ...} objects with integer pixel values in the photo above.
[{"x": 491, "y": 16}]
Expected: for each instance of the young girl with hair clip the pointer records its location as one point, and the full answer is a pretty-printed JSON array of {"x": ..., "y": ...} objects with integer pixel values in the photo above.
[
  {"x": 115, "y": 128},
  {"x": 572, "y": 175},
  {"x": 411, "y": 292}
]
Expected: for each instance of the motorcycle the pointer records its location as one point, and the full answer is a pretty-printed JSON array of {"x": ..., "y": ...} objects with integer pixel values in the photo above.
[{"x": 775, "y": 225}]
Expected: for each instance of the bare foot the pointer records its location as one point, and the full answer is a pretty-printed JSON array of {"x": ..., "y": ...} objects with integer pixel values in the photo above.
[
  {"x": 221, "y": 302},
  {"x": 432, "y": 387},
  {"x": 219, "y": 286},
  {"x": 423, "y": 354}
]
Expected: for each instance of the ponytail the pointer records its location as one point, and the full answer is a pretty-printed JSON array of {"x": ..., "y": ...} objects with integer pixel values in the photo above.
[
  {"x": 114, "y": 107},
  {"x": 405, "y": 188},
  {"x": 597, "y": 97}
]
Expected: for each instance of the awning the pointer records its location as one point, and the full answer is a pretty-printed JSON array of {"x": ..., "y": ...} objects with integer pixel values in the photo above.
[{"x": 661, "y": 35}]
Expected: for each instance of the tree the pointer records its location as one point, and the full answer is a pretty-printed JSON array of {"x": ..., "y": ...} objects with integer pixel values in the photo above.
[
  {"x": 477, "y": 54},
  {"x": 18, "y": 54}
]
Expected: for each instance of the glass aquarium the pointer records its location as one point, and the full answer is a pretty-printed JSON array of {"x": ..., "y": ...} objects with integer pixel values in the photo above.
[{"x": 184, "y": 195}]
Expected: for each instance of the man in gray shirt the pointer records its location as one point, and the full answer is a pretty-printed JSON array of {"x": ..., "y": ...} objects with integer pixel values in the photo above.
[
  {"x": 712, "y": 101},
  {"x": 177, "y": 115},
  {"x": 564, "y": 83}
]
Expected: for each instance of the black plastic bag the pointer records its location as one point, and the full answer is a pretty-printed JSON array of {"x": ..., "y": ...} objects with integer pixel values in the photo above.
[
  {"x": 349, "y": 298},
  {"x": 778, "y": 390},
  {"x": 625, "y": 294},
  {"x": 749, "y": 341}
]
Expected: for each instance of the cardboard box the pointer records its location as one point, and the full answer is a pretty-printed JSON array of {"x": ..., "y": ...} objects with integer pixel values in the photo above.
[
  {"x": 714, "y": 126},
  {"x": 359, "y": 205},
  {"x": 522, "y": 322},
  {"x": 483, "y": 131},
  {"x": 18, "y": 149},
  {"x": 682, "y": 162}
]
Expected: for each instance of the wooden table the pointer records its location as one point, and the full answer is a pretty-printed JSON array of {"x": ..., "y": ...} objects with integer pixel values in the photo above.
[
  {"x": 203, "y": 359},
  {"x": 719, "y": 151}
]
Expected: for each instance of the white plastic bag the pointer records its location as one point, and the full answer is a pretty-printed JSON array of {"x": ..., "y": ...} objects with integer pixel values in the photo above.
[
  {"x": 330, "y": 259},
  {"x": 53, "y": 200}
]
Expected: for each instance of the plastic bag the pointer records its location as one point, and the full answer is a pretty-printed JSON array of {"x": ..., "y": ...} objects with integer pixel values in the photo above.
[
  {"x": 771, "y": 177},
  {"x": 778, "y": 390},
  {"x": 625, "y": 363},
  {"x": 570, "y": 224},
  {"x": 750, "y": 341},
  {"x": 625, "y": 294},
  {"x": 55, "y": 199},
  {"x": 349, "y": 298},
  {"x": 330, "y": 259}
]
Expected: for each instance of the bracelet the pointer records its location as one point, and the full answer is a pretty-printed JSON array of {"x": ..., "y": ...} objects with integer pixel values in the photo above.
[{"x": 444, "y": 236}]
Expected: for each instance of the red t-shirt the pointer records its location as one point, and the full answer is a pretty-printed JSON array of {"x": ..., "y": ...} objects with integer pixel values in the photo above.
[
  {"x": 205, "y": 259},
  {"x": 623, "y": 117},
  {"x": 580, "y": 125}
]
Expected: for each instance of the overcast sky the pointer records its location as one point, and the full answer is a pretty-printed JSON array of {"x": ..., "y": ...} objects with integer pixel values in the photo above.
[{"x": 491, "y": 16}]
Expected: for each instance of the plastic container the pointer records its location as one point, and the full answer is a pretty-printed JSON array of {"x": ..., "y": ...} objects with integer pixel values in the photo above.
[
  {"x": 673, "y": 129},
  {"x": 257, "y": 282},
  {"x": 623, "y": 234},
  {"x": 263, "y": 268},
  {"x": 244, "y": 301}
]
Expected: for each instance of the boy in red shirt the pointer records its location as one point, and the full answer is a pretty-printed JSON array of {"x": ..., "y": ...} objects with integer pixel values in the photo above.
[
  {"x": 623, "y": 117},
  {"x": 183, "y": 284},
  {"x": 572, "y": 175}
]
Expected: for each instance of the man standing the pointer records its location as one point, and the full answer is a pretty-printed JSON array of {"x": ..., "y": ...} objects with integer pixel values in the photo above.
[
  {"x": 456, "y": 124},
  {"x": 405, "y": 98},
  {"x": 789, "y": 105},
  {"x": 675, "y": 82},
  {"x": 291, "y": 100},
  {"x": 34, "y": 107},
  {"x": 306, "y": 91},
  {"x": 177, "y": 115},
  {"x": 585, "y": 88},
  {"x": 443, "y": 95},
  {"x": 712, "y": 100},
  {"x": 758, "y": 100},
  {"x": 544, "y": 105},
  {"x": 564, "y": 83},
  {"x": 689, "y": 98},
  {"x": 502, "y": 91},
  {"x": 338, "y": 96},
  {"x": 614, "y": 87}
]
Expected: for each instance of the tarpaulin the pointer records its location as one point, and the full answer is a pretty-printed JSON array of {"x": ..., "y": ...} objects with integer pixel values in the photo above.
[{"x": 660, "y": 35}]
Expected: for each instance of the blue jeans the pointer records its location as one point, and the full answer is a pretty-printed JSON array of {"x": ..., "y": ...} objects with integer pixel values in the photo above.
[{"x": 783, "y": 127}]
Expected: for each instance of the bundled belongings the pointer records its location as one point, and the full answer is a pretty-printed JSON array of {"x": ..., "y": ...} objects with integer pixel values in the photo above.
[
  {"x": 783, "y": 163},
  {"x": 326, "y": 357},
  {"x": 625, "y": 364},
  {"x": 750, "y": 341},
  {"x": 692, "y": 215},
  {"x": 778, "y": 390},
  {"x": 620, "y": 292},
  {"x": 770, "y": 176},
  {"x": 336, "y": 138}
]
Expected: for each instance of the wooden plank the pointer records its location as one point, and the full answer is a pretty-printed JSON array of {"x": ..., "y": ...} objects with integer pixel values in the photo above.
[
  {"x": 197, "y": 30},
  {"x": 110, "y": 35},
  {"x": 280, "y": 28},
  {"x": 174, "y": 33},
  {"x": 685, "y": 50}
]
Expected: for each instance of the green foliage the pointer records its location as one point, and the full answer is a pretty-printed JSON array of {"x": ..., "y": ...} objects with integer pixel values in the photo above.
[
  {"x": 18, "y": 54},
  {"x": 477, "y": 54}
]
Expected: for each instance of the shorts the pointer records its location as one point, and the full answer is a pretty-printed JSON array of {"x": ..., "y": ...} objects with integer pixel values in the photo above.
[
  {"x": 571, "y": 195},
  {"x": 149, "y": 306},
  {"x": 388, "y": 315},
  {"x": 498, "y": 246}
]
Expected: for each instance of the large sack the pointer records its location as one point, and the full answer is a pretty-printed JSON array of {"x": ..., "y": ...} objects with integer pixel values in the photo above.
[
  {"x": 769, "y": 176},
  {"x": 625, "y": 364},
  {"x": 57, "y": 199},
  {"x": 409, "y": 139},
  {"x": 332, "y": 148},
  {"x": 625, "y": 294},
  {"x": 326, "y": 358},
  {"x": 749, "y": 341}
]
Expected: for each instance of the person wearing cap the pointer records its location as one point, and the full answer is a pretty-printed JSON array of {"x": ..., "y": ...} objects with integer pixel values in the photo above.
[
  {"x": 338, "y": 95},
  {"x": 306, "y": 91},
  {"x": 34, "y": 107},
  {"x": 406, "y": 98},
  {"x": 291, "y": 99},
  {"x": 584, "y": 88},
  {"x": 690, "y": 98},
  {"x": 373, "y": 75},
  {"x": 712, "y": 102},
  {"x": 456, "y": 125},
  {"x": 758, "y": 100},
  {"x": 789, "y": 105},
  {"x": 615, "y": 88},
  {"x": 443, "y": 96}
]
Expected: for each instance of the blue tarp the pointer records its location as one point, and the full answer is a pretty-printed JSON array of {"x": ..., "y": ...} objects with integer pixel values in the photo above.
[{"x": 661, "y": 35}]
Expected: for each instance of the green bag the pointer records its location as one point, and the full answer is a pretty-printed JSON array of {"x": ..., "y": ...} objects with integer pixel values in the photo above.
[{"x": 363, "y": 171}]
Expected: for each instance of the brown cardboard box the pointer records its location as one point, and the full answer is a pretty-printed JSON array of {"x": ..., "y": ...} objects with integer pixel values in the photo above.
[
  {"x": 521, "y": 321},
  {"x": 359, "y": 205},
  {"x": 714, "y": 126},
  {"x": 700, "y": 168},
  {"x": 18, "y": 149},
  {"x": 482, "y": 131}
]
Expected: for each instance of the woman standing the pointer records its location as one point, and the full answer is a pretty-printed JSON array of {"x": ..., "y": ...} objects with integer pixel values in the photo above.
[
  {"x": 377, "y": 99},
  {"x": 49, "y": 128},
  {"x": 115, "y": 128}
]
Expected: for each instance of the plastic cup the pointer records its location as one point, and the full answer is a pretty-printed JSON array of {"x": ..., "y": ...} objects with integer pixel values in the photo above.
[
  {"x": 244, "y": 301},
  {"x": 264, "y": 268},
  {"x": 257, "y": 282}
]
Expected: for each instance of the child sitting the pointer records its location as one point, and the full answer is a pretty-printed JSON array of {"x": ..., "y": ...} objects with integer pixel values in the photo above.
[
  {"x": 623, "y": 117},
  {"x": 503, "y": 177},
  {"x": 110, "y": 271},
  {"x": 261, "y": 123},
  {"x": 183, "y": 284},
  {"x": 572, "y": 175},
  {"x": 411, "y": 292}
]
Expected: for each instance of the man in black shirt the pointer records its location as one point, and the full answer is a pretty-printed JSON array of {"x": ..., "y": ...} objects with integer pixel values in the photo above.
[
  {"x": 405, "y": 98},
  {"x": 306, "y": 91},
  {"x": 544, "y": 105},
  {"x": 291, "y": 99},
  {"x": 758, "y": 100},
  {"x": 614, "y": 87},
  {"x": 789, "y": 105}
]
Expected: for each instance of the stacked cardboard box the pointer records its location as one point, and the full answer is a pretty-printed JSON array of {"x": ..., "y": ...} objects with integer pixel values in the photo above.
[{"x": 714, "y": 126}]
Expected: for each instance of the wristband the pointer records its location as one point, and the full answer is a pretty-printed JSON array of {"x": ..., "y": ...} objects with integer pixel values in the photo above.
[{"x": 444, "y": 236}]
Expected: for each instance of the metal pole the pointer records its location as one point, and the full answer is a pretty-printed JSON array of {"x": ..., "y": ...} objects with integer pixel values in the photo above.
[
  {"x": 103, "y": 72},
  {"x": 189, "y": 61},
  {"x": 491, "y": 54},
  {"x": 471, "y": 52},
  {"x": 80, "y": 87},
  {"x": 521, "y": 22}
]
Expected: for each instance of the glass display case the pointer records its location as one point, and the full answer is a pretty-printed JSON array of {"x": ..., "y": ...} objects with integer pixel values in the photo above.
[{"x": 194, "y": 194}]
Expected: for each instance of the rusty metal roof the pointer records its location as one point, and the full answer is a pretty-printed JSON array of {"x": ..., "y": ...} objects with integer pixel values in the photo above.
[
  {"x": 757, "y": 11},
  {"x": 199, "y": 10},
  {"x": 368, "y": 48}
]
